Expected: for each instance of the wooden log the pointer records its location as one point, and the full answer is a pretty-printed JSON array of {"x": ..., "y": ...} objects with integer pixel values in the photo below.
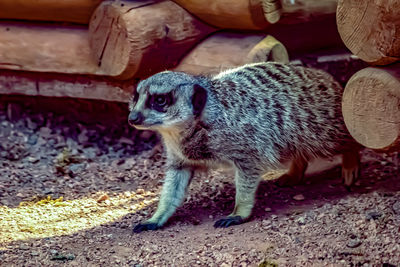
[
  {"x": 224, "y": 50},
  {"x": 46, "y": 48},
  {"x": 300, "y": 11},
  {"x": 137, "y": 39},
  {"x": 371, "y": 29},
  {"x": 77, "y": 11},
  {"x": 63, "y": 85},
  {"x": 258, "y": 14},
  {"x": 371, "y": 107},
  {"x": 240, "y": 14}
]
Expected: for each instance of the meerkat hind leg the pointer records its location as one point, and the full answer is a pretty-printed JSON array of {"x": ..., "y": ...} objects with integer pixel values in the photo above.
[
  {"x": 350, "y": 167},
  {"x": 295, "y": 174}
]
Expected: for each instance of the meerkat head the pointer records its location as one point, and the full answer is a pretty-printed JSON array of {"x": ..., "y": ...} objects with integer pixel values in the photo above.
[{"x": 167, "y": 100}]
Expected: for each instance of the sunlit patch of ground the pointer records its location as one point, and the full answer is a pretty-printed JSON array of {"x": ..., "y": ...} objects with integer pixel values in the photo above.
[{"x": 54, "y": 217}]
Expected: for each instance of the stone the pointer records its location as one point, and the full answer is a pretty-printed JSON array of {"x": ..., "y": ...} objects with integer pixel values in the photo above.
[{"x": 299, "y": 197}]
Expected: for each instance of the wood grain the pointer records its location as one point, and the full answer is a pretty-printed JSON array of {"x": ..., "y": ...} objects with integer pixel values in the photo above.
[
  {"x": 371, "y": 107},
  {"x": 46, "y": 48},
  {"x": 371, "y": 29}
]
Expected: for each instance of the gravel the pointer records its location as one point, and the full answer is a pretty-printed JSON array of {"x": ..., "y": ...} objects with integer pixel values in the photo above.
[{"x": 74, "y": 178}]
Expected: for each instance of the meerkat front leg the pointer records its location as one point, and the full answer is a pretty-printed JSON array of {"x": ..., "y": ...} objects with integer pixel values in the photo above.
[
  {"x": 177, "y": 179},
  {"x": 246, "y": 186}
]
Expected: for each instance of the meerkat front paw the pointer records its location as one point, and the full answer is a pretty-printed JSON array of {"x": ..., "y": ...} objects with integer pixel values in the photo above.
[
  {"x": 229, "y": 221},
  {"x": 146, "y": 226}
]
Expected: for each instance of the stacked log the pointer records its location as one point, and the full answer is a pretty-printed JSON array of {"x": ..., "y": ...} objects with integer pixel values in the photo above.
[
  {"x": 63, "y": 85},
  {"x": 371, "y": 100},
  {"x": 258, "y": 14},
  {"x": 224, "y": 50},
  {"x": 130, "y": 40},
  {"x": 77, "y": 11},
  {"x": 227, "y": 14},
  {"x": 137, "y": 39},
  {"x": 46, "y": 48}
]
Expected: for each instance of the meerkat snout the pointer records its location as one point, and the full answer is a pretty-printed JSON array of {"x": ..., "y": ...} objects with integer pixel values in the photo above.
[{"x": 135, "y": 118}]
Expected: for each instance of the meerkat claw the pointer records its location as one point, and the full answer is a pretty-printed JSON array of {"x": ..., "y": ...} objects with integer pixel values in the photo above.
[
  {"x": 228, "y": 221},
  {"x": 145, "y": 227}
]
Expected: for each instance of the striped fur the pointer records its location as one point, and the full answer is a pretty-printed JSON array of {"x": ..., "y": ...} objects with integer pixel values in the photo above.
[{"x": 256, "y": 117}]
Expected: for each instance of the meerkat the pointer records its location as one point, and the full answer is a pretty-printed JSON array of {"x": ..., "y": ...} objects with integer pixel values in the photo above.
[{"x": 254, "y": 118}]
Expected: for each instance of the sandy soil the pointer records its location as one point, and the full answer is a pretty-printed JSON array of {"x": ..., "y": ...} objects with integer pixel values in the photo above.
[{"x": 74, "y": 180}]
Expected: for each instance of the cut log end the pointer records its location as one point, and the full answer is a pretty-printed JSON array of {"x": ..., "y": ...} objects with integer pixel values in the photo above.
[
  {"x": 371, "y": 29},
  {"x": 371, "y": 107},
  {"x": 126, "y": 43},
  {"x": 269, "y": 49}
]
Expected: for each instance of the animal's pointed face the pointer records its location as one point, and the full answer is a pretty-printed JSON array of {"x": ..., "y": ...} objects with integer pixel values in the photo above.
[{"x": 166, "y": 100}]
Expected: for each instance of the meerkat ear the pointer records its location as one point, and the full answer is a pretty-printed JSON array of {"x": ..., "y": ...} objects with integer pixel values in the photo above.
[{"x": 199, "y": 99}]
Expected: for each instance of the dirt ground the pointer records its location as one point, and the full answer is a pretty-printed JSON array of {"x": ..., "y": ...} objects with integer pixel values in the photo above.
[{"x": 74, "y": 178}]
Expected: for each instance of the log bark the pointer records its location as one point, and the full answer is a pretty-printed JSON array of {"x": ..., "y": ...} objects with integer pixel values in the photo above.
[
  {"x": 77, "y": 11},
  {"x": 371, "y": 107},
  {"x": 222, "y": 51},
  {"x": 371, "y": 29},
  {"x": 63, "y": 85},
  {"x": 137, "y": 39},
  {"x": 227, "y": 14},
  {"x": 48, "y": 48}
]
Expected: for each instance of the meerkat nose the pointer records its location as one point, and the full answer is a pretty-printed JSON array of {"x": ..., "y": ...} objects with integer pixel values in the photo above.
[{"x": 135, "y": 118}]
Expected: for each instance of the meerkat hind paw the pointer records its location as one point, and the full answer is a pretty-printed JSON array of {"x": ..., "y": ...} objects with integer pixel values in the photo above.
[
  {"x": 287, "y": 180},
  {"x": 228, "y": 221},
  {"x": 349, "y": 176},
  {"x": 145, "y": 227}
]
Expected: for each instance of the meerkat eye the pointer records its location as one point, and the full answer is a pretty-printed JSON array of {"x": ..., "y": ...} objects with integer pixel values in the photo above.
[{"x": 160, "y": 102}]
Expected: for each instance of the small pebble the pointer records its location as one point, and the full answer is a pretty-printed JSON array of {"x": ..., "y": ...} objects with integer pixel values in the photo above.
[
  {"x": 373, "y": 215},
  {"x": 299, "y": 197},
  {"x": 396, "y": 207},
  {"x": 24, "y": 247},
  {"x": 140, "y": 191},
  {"x": 35, "y": 253},
  {"x": 353, "y": 243},
  {"x": 102, "y": 198}
]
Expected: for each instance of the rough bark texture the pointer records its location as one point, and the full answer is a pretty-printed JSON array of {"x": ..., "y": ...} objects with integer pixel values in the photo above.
[
  {"x": 46, "y": 48},
  {"x": 371, "y": 107},
  {"x": 77, "y": 86},
  {"x": 371, "y": 29},
  {"x": 137, "y": 39},
  {"x": 78, "y": 11},
  {"x": 228, "y": 50}
]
